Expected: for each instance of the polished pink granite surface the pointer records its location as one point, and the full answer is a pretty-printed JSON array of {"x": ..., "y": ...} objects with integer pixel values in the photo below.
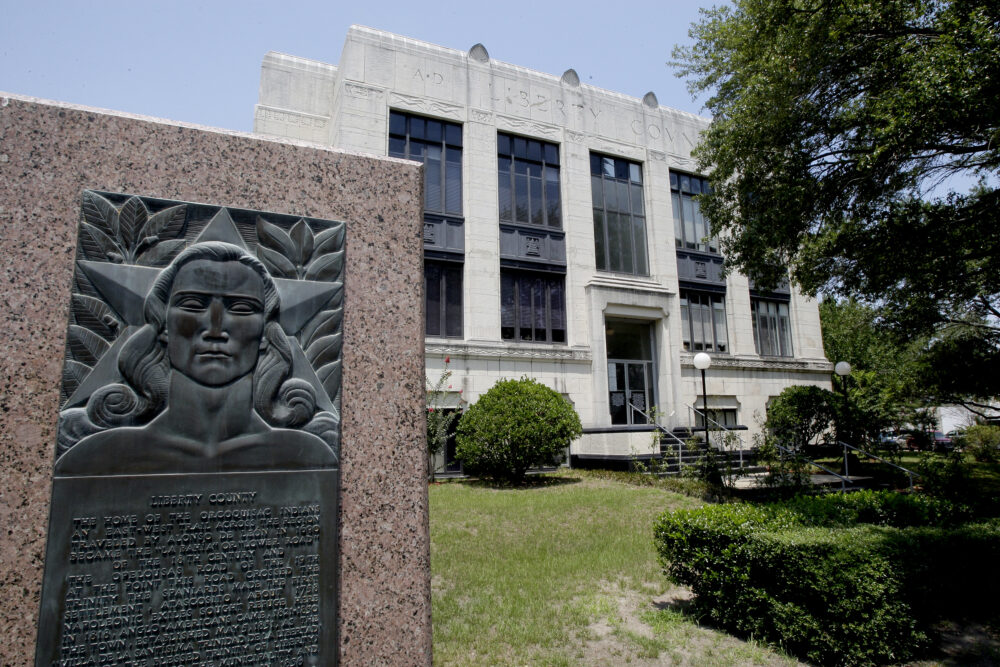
[{"x": 49, "y": 153}]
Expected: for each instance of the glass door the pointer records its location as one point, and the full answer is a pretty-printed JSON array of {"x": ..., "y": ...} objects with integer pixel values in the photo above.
[{"x": 631, "y": 375}]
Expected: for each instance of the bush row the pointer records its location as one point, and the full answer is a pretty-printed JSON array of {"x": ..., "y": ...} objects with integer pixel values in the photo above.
[{"x": 857, "y": 579}]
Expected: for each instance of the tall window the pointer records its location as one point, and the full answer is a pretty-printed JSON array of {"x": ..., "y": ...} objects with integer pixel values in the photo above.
[
  {"x": 528, "y": 181},
  {"x": 443, "y": 291},
  {"x": 619, "y": 215},
  {"x": 438, "y": 144},
  {"x": 703, "y": 321},
  {"x": 772, "y": 332},
  {"x": 532, "y": 307},
  {"x": 690, "y": 227}
]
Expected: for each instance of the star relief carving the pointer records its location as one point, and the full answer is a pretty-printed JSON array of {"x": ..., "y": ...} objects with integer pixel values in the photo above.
[{"x": 124, "y": 288}]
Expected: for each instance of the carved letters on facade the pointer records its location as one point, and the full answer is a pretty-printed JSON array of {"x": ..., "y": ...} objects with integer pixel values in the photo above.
[{"x": 201, "y": 339}]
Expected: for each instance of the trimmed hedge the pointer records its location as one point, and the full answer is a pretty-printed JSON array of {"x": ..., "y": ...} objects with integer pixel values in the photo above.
[{"x": 856, "y": 579}]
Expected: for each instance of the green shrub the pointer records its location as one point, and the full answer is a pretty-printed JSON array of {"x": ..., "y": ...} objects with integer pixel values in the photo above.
[
  {"x": 983, "y": 442},
  {"x": 516, "y": 425},
  {"x": 855, "y": 579},
  {"x": 800, "y": 413}
]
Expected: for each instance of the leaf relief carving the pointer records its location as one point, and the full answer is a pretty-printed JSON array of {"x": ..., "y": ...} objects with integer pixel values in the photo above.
[
  {"x": 74, "y": 373},
  {"x": 95, "y": 315},
  {"x": 85, "y": 345}
]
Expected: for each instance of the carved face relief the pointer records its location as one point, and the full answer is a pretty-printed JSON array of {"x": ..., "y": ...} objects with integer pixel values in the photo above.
[{"x": 215, "y": 321}]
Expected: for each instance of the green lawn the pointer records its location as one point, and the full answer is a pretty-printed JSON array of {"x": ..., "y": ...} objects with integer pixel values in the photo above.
[{"x": 562, "y": 573}]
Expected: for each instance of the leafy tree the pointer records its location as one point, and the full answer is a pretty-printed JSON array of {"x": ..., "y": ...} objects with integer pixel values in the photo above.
[
  {"x": 800, "y": 413},
  {"x": 839, "y": 127},
  {"x": 885, "y": 387},
  {"x": 982, "y": 441},
  {"x": 516, "y": 425}
]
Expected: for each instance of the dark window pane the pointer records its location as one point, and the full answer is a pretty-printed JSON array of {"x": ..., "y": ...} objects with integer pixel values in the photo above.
[
  {"x": 535, "y": 151},
  {"x": 610, "y": 195},
  {"x": 520, "y": 147},
  {"x": 621, "y": 170},
  {"x": 507, "y": 306},
  {"x": 552, "y": 206},
  {"x": 673, "y": 181},
  {"x": 595, "y": 164},
  {"x": 432, "y": 291},
  {"x": 503, "y": 144},
  {"x": 453, "y": 298},
  {"x": 597, "y": 191},
  {"x": 623, "y": 198},
  {"x": 504, "y": 192},
  {"x": 627, "y": 250},
  {"x": 614, "y": 242},
  {"x": 397, "y": 147},
  {"x": 433, "y": 131},
  {"x": 432, "y": 179},
  {"x": 453, "y": 134},
  {"x": 600, "y": 244},
  {"x": 521, "y": 202},
  {"x": 637, "y": 203},
  {"x": 418, "y": 127},
  {"x": 639, "y": 236},
  {"x": 557, "y": 303},
  {"x": 535, "y": 194},
  {"x": 453, "y": 182},
  {"x": 551, "y": 154},
  {"x": 397, "y": 123}
]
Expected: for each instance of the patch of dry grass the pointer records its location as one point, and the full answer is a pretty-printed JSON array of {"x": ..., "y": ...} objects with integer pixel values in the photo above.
[{"x": 562, "y": 572}]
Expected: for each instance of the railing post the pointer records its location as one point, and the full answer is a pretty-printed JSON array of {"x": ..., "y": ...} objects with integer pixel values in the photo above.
[{"x": 847, "y": 473}]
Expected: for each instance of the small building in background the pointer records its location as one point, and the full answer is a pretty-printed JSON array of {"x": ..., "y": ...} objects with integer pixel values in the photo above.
[{"x": 562, "y": 239}]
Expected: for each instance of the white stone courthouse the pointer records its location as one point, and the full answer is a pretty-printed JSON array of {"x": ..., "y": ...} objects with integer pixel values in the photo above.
[{"x": 562, "y": 239}]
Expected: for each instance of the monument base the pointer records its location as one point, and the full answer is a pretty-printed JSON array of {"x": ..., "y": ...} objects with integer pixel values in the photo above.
[{"x": 233, "y": 568}]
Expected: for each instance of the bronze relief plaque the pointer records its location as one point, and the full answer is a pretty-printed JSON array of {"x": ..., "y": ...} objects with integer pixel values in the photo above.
[{"x": 196, "y": 482}]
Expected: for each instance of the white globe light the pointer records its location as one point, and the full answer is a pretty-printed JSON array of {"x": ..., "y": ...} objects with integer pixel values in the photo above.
[
  {"x": 842, "y": 368},
  {"x": 702, "y": 361}
]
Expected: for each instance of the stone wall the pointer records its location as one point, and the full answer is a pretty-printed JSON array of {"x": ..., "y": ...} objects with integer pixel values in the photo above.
[{"x": 49, "y": 153}]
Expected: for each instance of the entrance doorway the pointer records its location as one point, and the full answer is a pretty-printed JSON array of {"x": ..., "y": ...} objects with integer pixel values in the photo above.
[{"x": 631, "y": 370}]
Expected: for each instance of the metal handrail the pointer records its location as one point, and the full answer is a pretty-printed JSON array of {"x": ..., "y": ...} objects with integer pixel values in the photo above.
[
  {"x": 843, "y": 480},
  {"x": 663, "y": 429},
  {"x": 720, "y": 427},
  {"x": 909, "y": 473}
]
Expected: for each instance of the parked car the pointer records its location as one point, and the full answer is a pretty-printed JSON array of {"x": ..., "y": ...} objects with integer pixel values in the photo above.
[
  {"x": 915, "y": 440},
  {"x": 942, "y": 443}
]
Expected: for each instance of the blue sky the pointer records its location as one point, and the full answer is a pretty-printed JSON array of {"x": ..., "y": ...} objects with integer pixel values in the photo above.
[{"x": 199, "y": 62}]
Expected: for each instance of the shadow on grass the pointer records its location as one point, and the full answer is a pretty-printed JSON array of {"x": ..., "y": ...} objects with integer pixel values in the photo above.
[{"x": 684, "y": 606}]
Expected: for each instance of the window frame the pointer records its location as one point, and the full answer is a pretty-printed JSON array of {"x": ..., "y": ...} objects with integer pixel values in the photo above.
[
  {"x": 520, "y": 278},
  {"x": 713, "y": 415},
  {"x": 782, "y": 335},
  {"x": 616, "y": 176},
  {"x": 714, "y": 298},
  {"x": 449, "y": 144},
  {"x": 446, "y": 306},
  {"x": 679, "y": 195},
  {"x": 543, "y": 155}
]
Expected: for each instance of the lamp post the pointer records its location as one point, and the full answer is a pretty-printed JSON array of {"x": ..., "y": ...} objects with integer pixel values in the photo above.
[
  {"x": 843, "y": 369},
  {"x": 702, "y": 361}
]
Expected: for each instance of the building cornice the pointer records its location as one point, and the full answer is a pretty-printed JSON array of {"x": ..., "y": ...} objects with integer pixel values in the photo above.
[
  {"x": 494, "y": 350},
  {"x": 762, "y": 363}
]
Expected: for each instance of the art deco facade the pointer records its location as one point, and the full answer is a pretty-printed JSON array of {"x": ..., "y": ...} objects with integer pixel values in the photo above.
[{"x": 562, "y": 237}]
